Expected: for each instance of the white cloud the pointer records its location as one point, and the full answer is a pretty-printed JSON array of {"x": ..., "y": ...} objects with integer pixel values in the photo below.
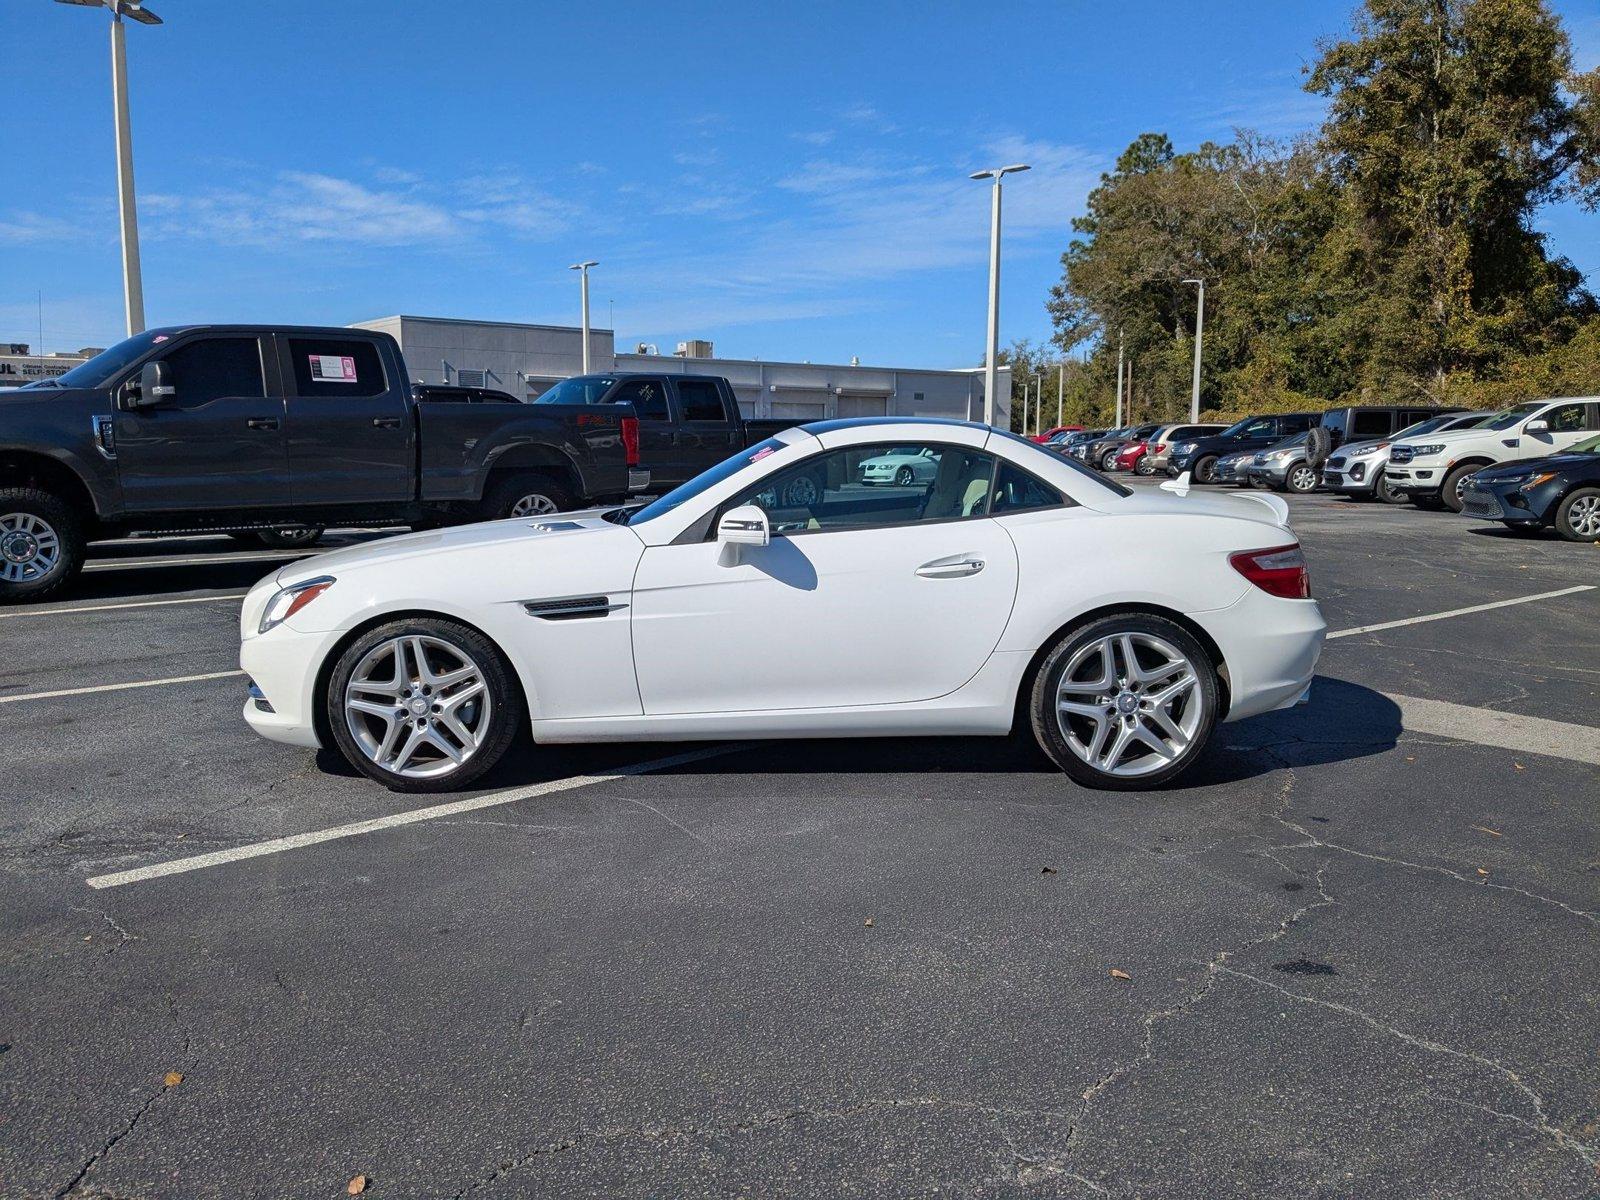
[
  {"x": 814, "y": 137},
  {"x": 22, "y": 228}
]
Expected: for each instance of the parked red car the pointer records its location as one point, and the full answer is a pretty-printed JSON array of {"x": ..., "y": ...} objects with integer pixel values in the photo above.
[
  {"x": 1128, "y": 457},
  {"x": 1044, "y": 437}
]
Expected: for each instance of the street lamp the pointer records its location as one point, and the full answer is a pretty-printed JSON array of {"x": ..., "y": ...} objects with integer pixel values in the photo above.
[
  {"x": 132, "y": 280},
  {"x": 991, "y": 359},
  {"x": 1199, "y": 331},
  {"x": 1038, "y": 403},
  {"x": 583, "y": 268}
]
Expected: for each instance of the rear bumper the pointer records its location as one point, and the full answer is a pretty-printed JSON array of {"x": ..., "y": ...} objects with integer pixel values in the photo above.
[{"x": 1270, "y": 648}]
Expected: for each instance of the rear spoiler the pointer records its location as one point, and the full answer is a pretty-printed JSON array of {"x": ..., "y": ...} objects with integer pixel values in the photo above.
[{"x": 1277, "y": 505}]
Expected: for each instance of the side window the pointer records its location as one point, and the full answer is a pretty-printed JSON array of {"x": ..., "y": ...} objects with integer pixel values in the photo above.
[
  {"x": 1295, "y": 423},
  {"x": 648, "y": 397},
  {"x": 861, "y": 487},
  {"x": 1017, "y": 491},
  {"x": 1260, "y": 427},
  {"x": 1371, "y": 424},
  {"x": 701, "y": 400},
  {"x": 336, "y": 367},
  {"x": 1568, "y": 418},
  {"x": 212, "y": 368}
]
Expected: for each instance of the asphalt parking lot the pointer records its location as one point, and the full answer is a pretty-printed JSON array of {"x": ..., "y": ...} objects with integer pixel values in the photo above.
[{"x": 1360, "y": 941}]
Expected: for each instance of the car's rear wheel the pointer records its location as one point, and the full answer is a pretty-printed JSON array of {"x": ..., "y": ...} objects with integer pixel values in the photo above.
[
  {"x": 1143, "y": 466},
  {"x": 1386, "y": 491},
  {"x": 1302, "y": 478},
  {"x": 1205, "y": 471},
  {"x": 423, "y": 705},
  {"x": 1578, "y": 517},
  {"x": 1125, "y": 702},
  {"x": 1453, "y": 492},
  {"x": 41, "y": 544}
]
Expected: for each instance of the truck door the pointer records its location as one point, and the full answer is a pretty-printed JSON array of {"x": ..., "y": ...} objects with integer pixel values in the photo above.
[
  {"x": 217, "y": 442},
  {"x": 349, "y": 432},
  {"x": 658, "y": 444},
  {"x": 707, "y": 431}
]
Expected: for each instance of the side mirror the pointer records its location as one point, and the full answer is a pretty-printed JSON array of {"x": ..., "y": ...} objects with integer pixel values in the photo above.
[
  {"x": 1537, "y": 425},
  {"x": 744, "y": 526},
  {"x": 155, "y": 386}
]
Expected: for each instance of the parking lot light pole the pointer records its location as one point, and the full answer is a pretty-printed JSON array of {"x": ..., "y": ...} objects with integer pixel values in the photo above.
[
  {"x": 1199, "y": 332},
  {"x": 583, "y": 269},
  {"x": 132, "y": 278},
  {"x": 1038, "y": 404},
  {"x": 1119, "y": 380},
  {"x": 1061, "y": 391},
  {"x": 991, "y": 358}
]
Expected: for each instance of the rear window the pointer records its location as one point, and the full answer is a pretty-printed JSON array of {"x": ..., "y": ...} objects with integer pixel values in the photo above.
[{"x": 336, "y": 367}]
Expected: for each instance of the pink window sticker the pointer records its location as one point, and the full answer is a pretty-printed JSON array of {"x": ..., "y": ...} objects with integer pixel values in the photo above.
[
  {"x": 159, "y": 338},
  {"x": 333, "y": 368},
  {"x": 762, "y": 453}
]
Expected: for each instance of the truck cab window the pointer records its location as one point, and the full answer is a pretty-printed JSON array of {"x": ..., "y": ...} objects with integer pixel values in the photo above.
[
  {"x": 648, "y": 397},
  {"x": 701, "y": 400},
  {"x": 211, "y": 368},
  {"x": 336, "y": 368}
]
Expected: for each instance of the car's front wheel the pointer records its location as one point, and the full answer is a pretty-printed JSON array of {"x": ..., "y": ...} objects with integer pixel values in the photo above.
[
  {"x": 1578, "y": 517},
  {"x": 1386, "y": 491},
  {"x": 1454, "y": 491},
  {"x": 1205, "y": 471},
  {"x": 1108, "y": 461},
  {"x": 1302, "y": 478},
  {"x": 1144, "y": 466},
  {"x": 904, "y": 477},
  {"x": 423, "y": 704},
  {"x": 1125, "y": 702}
]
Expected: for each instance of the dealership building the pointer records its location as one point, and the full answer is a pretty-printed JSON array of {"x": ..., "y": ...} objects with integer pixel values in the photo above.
[
  {"x": 19, "y": 365},
  {"x": 526, "y": 360}
]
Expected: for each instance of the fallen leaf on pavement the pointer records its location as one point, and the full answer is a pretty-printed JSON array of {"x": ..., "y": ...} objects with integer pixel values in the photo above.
[
  {"x": 1049, "y": 871},
  {"x": 869, "y": 922},
  {"x": 172, "y": 1078},
  {"x": 1486, "y": 829},
  {"x": 1118, "y": 973},
  {"x": 1481, "y": 871},
  {"x": 1519, "y": 766},
  {"x": 357, "y": 1185}
]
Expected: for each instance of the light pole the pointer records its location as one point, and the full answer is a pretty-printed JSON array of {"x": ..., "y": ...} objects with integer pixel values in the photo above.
[
  {"x": 583, "y": 269},
  {"x": 1119, "y": 379},
  {"x": 1199, "y": 332},
  {"x": 991, "y": 363},
  {"x": 132, "y": 279},
  {"x": 1061, "y": 391},
  {"x": 1038, "y": 405}
]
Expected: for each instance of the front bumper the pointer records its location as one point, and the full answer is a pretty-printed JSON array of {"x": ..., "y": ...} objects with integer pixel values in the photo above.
[
  {"x": 1267, "y": 473},
  {"x": 1351, "y": 477},
  {"x": 282, "y": 669},
  {"x": 1508, "y": 503},
  {"x": 1418, "y": 478}
]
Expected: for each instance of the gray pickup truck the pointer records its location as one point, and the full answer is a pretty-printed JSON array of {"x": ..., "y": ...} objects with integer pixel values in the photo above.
[{"x": 272, "y": 434}]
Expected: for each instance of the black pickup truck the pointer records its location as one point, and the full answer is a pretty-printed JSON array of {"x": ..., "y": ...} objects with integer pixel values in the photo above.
[{"x": 274, "y": 433}]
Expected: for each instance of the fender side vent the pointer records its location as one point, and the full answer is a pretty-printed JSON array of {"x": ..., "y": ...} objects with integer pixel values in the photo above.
[{"x": 572, "y": 608}]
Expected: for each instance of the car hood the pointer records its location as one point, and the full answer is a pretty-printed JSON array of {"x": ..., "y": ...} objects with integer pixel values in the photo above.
[
  {"x": 516, "y": 532},
  {"x": 1526, "y": 466},
  {"x": 1451, "y": 436},
  {"x": 44, "y": 399}
]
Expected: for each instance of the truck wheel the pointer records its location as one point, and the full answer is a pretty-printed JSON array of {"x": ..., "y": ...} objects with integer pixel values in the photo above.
[
  {"x": 1205, "y": 471},
  {"x": 1302, "y": 478},
  {"x": 1578, "y": 517},
  {"x": 527, "y": 494},
  {"x": 290, "y": 537},
  {"x": 1455, "y": 484},
  {"x": 41, "y": 544},
  {"x": 1386, "y": 491}
]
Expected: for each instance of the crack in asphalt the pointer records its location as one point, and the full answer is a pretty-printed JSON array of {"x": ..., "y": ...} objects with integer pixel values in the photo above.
[
  {"x": 124, "y": 936},
  {"x": 188, "y": 1059}
]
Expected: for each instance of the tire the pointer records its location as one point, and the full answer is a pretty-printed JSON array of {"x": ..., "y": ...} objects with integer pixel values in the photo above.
[
  {"x": 1108, "y": 461},
  {"x": 290, "y": 537},
  {"x": 1578, "y": 516},
  {"x": 1386, "y": 491},
  {"x": 1319, "y": 444},
  {"x": 41, "y": 544},
  {"x": 1205, "y": 470},
  {"x": 413, "y": 752},
  {"x": 526, "y": 494},
  {"x": 904, "y": 477},
  {"x": 803, "y": 491},
  {"x": 1077, "y": 666},
  {"x": 1427, "y": 501},
  {"x": 1454, "y": 483},
  {"x": 1301, "y": 479},
  {"x": 1143, "y": 467}
]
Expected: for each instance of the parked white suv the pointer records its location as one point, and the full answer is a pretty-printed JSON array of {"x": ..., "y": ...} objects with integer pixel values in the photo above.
[{"x": 1434, "y": 468}]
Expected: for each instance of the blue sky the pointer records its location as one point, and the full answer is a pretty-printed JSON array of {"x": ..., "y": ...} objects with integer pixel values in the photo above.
[{"x": 787, "y": 180}]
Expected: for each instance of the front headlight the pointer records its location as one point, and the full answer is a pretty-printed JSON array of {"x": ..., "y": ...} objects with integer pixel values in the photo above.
[
  {"x": 289, "y": 600},
  {"x": 1183, "y": 448},
  {"x": 1534, "y": 482},
  {"x": 1281, "y": 455},
  {"x": 1424, "y": 451}
]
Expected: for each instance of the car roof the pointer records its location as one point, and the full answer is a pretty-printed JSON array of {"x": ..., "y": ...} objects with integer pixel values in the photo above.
[{"x": 842, "y": 423}]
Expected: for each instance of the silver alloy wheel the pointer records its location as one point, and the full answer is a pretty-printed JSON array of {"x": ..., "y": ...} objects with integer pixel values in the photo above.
[
  {"x": 801, "y": 492},
  {"x": 1129, "y": 703},
  {"x": 1584, "y": 516},
  {"x": 30, "y": 548},
  {"x": 417, "y": 706},
  {"x": 1302, "y": 479},
  {"x": 296, "y": 535},
  {"x": 534, "y": 504}
]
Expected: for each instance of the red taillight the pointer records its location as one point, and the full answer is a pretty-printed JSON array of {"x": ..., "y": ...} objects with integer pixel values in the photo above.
[
  {"x": 1281, "y": 571},
  {"x": 1158, "y": 448},
  {"x": 630, "y": 439}
]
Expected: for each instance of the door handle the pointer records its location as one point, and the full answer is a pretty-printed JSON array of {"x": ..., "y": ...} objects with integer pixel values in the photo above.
[
  {"x": 957, "y": 566},
  {"x": 262, "y": 422},
  {"x": 386, "y": 422}
]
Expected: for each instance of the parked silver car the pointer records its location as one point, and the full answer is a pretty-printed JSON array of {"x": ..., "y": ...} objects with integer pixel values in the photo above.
[
  {"x": 1357, "y": 469},
  {"x": 1159, "y": 445}
]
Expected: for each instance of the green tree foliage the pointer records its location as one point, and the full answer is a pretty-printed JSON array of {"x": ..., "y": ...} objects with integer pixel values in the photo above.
[{"x": 1392, "y": 253}]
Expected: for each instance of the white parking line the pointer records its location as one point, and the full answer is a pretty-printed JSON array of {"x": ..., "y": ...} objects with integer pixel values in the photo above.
[
  {"x": 1460, "y": 612},
  {"x": 68, "y": 610},
  {"x": 1507, "y": 731},
  {"x": 218, "y": 858},
  {"x": 118, "y": 687}
]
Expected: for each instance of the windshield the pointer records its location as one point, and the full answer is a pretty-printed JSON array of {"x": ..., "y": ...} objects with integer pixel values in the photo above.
[
  {"x": 1236, "y": 430},
  {"x": 706, "y": 479},
  {"x": 1427, "y": 426},
  {"x": 1512, "y": 415},
  {"x": 580, "y": 389},
  {"x": 105, "y": 366}
]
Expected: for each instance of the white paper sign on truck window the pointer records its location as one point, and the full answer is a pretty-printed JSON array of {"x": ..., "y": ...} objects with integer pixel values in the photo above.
[{"x": 333, "y": 368}]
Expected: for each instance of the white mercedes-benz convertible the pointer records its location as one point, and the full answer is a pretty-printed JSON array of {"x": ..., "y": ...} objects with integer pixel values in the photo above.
[{"x": 1013, "y": 586}]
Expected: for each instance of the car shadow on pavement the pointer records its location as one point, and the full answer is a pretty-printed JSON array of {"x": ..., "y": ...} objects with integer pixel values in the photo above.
[{"x": 1342, "y": 721}]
